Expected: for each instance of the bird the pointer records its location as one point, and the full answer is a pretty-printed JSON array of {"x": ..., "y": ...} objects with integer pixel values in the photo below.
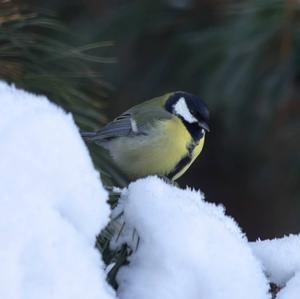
[{"x": 162, "y": 136}]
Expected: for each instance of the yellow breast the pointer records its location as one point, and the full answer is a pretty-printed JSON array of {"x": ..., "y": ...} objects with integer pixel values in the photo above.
[
  {"x": 197, "y": 150},
  {"x": 155, "y": 154}
]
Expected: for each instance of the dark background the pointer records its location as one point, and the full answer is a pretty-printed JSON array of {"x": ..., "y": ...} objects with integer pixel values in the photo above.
[{"x": 242, "y": 57}]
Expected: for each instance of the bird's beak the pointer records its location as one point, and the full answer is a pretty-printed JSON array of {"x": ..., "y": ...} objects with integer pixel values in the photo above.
[{"x": 204, "y": 126}]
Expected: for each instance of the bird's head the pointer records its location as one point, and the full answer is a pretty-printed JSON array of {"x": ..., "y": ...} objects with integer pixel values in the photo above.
[{"x": 191, "y": 110}]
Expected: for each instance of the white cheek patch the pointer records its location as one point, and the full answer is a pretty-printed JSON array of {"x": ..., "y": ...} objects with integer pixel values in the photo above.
[{"x": 182, "y": 110}]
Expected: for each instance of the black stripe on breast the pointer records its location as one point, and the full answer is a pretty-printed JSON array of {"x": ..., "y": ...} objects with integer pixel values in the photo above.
[
  {"x": 184, "y": 161},
  {"x": 179, "y": 166}
]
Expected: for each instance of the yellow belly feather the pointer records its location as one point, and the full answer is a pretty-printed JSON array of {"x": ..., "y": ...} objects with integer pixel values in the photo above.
[
  {"x": 196, "y": 152},
  {"x": 157, "y": 153}
]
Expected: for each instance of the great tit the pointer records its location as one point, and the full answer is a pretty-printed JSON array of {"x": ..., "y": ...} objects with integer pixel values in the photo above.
[{"x": 162, "y": 136}]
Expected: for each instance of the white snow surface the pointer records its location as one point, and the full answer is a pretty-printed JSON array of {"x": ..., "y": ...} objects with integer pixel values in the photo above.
[
  {"x": 188, "y": 248},
  {"x": 291, "y": 290},
  {"x": 52, "y": 204},
  {"x": 280, "y": 257}
]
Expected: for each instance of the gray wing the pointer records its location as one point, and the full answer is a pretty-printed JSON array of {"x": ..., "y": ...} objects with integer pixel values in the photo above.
[
  {"x": 123, "y": 125},
  {"x": 131, "y": 123}
]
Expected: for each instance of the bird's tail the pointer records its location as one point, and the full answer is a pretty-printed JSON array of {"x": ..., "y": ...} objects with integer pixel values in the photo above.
[{"x": 88, "y": 136}]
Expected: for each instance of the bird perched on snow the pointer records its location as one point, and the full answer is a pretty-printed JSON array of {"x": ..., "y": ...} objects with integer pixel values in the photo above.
[{"x": 162, "y": 136}]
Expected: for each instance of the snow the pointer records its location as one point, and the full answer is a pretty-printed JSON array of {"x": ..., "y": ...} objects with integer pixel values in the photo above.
[
  {"x": 188, "y": 248},
  {"x": 182, "y": 109},
  {"x": 281, "y": 262},
  {"x": 291, "y": 290},
  {"x": 52, "y": 204},
  {"x": 280, "y": 257}
]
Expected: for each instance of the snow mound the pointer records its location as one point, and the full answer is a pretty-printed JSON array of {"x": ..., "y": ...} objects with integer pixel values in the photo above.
[
  {"x": 292, "y": 289},
  {"x": 280, "y": 257},
  {"x": 281, "y": 262},
  {"x": 52, "y": 204},
  {"x": 188, "y": 248}
]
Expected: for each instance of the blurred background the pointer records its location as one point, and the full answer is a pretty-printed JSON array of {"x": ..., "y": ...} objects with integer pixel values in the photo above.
[{"x": 97, "y": 58}]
